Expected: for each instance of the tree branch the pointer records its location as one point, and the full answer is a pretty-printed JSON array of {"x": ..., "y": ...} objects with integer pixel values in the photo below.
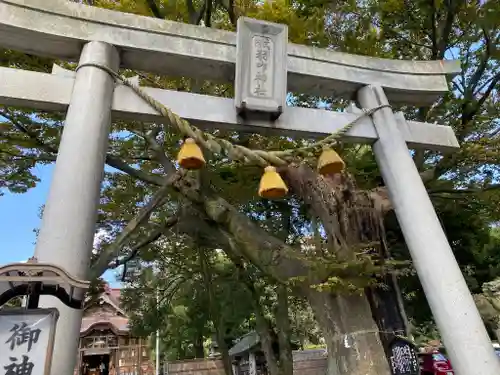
[
  {"x": 169, "y": 294},
  {"x": 152, "y": 237},
  {"x": 144, "y": 214},
  {"x": 201, "y": 13},
  {"x": 469, "y": 111},
  {"x": 208, "y": 13},
  {"x": 229, "y": 8},
  {"x": 195, "y": 17},
  {"x": 284, "y": 330},
  {"x": 154, "y": 8},
  {"x": 476, "y": 77},
  {"x": 263, "y": 325},
  {"x": 111, "y": 160},
  {"x": 158, "y": 153},
  {"x": 20, "y": 127},
  {"x": 491, "y": 86},
  {"x": 119, "y": 164},
  {"x": 434, "y": 30},
  {"x": 236, "y": 230},
  {"x": 34, "y": 158},
  {"x": 447, "y": 27},
  {"x": 464, "y": 191}
]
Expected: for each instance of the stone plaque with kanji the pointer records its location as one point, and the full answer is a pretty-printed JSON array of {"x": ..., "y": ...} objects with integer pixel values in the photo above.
[{"x": 261, "y": 67}]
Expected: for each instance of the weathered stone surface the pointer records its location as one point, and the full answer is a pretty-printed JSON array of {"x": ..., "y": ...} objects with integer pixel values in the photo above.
[
  {"x": 303, "y": 364},
  {"x": 58, "y": 28},
  {"x": 53, "y": 92},
  {"x": 261, "y": 66}
]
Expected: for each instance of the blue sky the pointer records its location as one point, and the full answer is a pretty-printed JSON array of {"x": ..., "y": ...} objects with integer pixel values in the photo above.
[{"x": 19, "y": 217}]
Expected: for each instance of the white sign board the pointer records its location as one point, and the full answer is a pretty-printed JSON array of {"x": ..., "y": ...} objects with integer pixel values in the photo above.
[{"x": 26, "y": 341}]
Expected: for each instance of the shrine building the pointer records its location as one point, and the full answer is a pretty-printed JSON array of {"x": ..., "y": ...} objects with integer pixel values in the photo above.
[{"x": 105, "y": 338}]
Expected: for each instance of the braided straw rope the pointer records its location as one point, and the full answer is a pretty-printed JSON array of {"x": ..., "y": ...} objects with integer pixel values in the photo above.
[{"x": 235, "y": 152}]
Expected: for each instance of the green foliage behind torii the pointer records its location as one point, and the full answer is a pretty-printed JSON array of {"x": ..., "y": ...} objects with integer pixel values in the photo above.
[{"x": 463, "y": 186}]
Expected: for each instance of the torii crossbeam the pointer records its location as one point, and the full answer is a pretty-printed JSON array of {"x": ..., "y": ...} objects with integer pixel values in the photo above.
[
  {"x": 52, "y": 92},
  {"x": 59, "y": 29}
]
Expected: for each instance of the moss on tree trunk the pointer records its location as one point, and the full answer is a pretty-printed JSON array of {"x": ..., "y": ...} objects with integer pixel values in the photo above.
[
  {"x": 351, "y": 218},
  {"x": 351, "y": 334}
]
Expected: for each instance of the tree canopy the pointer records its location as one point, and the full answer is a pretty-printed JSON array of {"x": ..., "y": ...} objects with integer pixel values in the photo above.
[{"x": 293, "y": 242}]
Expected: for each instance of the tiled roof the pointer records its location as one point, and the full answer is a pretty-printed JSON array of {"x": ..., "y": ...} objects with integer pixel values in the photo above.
[
  {"x": 114, "y": 295},
  {"x": 119, "y": 324},
  {"x": 245, "y": 343}
]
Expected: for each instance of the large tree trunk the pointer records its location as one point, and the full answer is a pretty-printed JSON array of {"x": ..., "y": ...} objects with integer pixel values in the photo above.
[
  {"x": 388, "y": 310},
  {"x": 199, "y": 350},
  {"x": 263, "y": 325},
  {"x": 215, "y": 314},
  {"x": 264, "y": 329},
  {"x": 350, "y": 218},
  {"x": 284, "y": 331},
  {"x": 351, "y": 335}
]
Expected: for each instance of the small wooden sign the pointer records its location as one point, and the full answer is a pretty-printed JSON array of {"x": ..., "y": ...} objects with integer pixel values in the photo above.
[
  {"x": 403, "y": 357},
  {"x": 27, "y": 341}
]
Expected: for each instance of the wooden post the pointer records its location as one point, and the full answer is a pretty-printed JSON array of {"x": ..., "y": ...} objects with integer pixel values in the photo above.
[
  {"x": 252, "y": 364},
  {"x": 139, "y": 357}
]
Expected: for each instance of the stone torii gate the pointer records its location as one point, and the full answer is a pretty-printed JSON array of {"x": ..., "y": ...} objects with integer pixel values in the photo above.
[{"x": 75, "y": 32}]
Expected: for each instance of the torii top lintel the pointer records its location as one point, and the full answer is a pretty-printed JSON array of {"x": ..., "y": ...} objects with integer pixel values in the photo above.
[{"x": 58, "y": 28}]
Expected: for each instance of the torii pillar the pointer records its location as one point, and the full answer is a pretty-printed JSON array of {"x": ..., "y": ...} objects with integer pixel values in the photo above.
[{"x": 59, "y": 29}]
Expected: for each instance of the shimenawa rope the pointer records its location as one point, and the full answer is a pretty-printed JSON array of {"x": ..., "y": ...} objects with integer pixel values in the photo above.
[{"x": 217, "y": 145}]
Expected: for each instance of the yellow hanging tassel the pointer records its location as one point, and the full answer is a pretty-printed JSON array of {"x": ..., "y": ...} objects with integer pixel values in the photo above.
[
  {"x": 190, "y": 155},
  {"x": 272, "y": 185},
  {"x": 330, "y": 162}
]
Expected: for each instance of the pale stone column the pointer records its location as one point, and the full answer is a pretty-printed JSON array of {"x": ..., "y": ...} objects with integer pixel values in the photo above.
[
  {"x": 69, "y": 218},
  {"x": 252, "y": 364},
  {"x": 454, "y": 310}
]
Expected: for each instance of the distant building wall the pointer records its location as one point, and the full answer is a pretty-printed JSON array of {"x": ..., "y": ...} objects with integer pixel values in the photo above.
[
  {"x": 196, "y": 367},
  {"x": 305, "y": 362},
  {"x": 309, "y": 362}
]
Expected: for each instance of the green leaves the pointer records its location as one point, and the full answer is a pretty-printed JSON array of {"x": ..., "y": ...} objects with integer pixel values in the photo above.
[{"x": 463, "y": 185}]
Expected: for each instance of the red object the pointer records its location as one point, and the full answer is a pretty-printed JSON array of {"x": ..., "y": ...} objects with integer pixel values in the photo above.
[{"x": 435, "y": 364}]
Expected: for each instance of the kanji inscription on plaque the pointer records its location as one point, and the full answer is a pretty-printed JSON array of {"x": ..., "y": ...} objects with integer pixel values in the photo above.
[
  {"x": 261, "y": 68},
  {"x": 25, "y": 339}
]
